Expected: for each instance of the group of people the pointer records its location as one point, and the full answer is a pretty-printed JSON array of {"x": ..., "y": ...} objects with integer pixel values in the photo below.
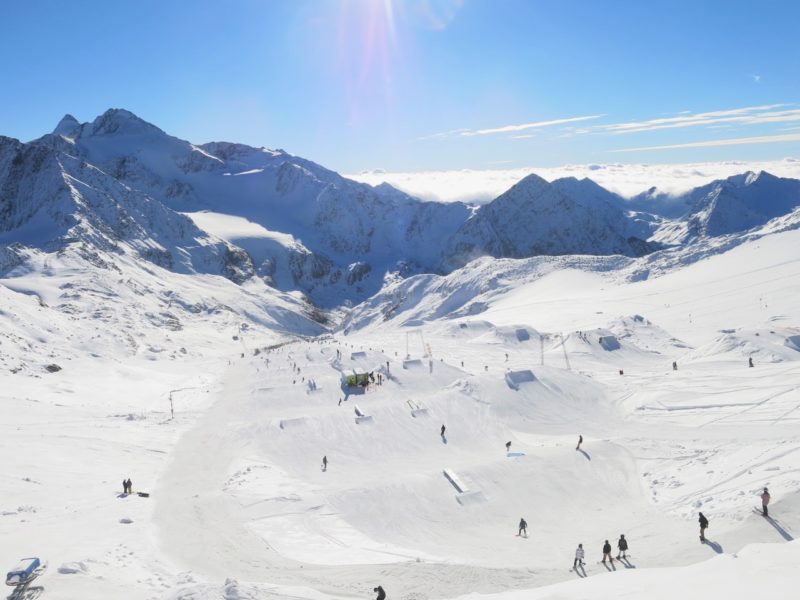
[
  {"x": 622, "y": 552},
  {"x": 127, "y": 486}
]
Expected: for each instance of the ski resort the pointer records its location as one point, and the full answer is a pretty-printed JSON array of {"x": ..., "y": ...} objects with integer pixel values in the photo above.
[{"x": 230, "y": 372}]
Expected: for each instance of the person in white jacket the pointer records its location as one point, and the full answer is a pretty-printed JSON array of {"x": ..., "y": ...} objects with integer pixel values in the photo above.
[{"x": 579, "y": 554}]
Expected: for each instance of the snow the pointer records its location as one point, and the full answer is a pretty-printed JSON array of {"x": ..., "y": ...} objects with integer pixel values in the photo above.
[{"x": 197, "y": 386}]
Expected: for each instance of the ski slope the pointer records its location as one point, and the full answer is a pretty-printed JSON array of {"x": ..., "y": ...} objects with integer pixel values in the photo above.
[{"x": 240, "y": 507}]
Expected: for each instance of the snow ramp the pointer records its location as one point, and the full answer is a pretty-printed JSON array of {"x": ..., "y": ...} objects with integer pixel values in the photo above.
[{"x": 516, "y": 378}]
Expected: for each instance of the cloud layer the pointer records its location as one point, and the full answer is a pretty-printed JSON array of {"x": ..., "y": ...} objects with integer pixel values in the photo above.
[{"x": 481, "y": 186}]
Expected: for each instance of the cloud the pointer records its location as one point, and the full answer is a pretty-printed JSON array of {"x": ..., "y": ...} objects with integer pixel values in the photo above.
[
  {"x": 522, "y": 136},
  {"x": 525, "y": 126},
  {"x": 760, "y": 139},
  {"x": 481, "y": 186},
  {"x": 507, "y": 128},
  {"x": 756, "y": 78},
  {"x": 750, "y": 115}
]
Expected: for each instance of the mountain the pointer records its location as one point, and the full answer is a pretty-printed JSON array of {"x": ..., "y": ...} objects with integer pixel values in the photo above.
[
  {"x": 120, "y": 185},
  {"x": 736, "y": 204},
  {"x": 55, "y": 201},
  {"x": 535, "y": 217},
  {"x": 343, "y": 236}
]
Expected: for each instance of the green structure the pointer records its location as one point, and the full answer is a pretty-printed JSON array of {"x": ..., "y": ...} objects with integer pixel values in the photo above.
[{"x": 353, "y": 378}]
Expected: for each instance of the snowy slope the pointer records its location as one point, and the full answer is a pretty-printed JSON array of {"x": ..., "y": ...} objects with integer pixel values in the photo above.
[{"x": 116, "y": 309}]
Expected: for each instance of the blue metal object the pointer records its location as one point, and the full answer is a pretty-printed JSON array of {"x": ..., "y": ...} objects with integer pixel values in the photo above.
[{"x": 26, "y": 570}]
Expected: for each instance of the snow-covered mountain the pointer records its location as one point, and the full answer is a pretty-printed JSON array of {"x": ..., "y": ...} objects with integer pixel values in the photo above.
[
  {"x": 352, "y": 234},
  {"x": 120, "y": 184},
  {"x": 722, "y": 207},
  {"x": 535, "y": 217}
]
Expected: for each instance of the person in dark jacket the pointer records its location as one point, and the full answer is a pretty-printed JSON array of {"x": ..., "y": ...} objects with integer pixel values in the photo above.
[
  {"x": 443, "y": 430},
  {"x": 508, "y": 446},
  {"x": 523, "y": 528},
  {"x": 607, "y": 552},
  {"x": 381, "y": 593},
  {"x": 580, "y": 441},
  {"x": 622, "y": 546},
  {"x": 703, "y": 526},
  {"x": 324, "y": 463}
]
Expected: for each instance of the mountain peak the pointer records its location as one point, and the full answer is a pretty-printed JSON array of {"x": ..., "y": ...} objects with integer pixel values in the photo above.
[
  {"x": 120, "y": 121},
  {"x": 66, "y": 126}
]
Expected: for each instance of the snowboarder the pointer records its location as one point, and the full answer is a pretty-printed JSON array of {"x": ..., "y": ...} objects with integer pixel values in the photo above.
[
  {"x": 622, "y": 546},
  {"x": 381, "y": 593},
  {"x": 340, "y": 401},
  {"x": 607, "y": 552},
  {"x": 508, "y": 446},
  {"x": 324, "y": 463},
  {"x": 703, "y": 526},
  {"x": 580, "y": 441},
  {"x": 443, "y": 430},
  {"x": 579, "y": 554},
  {"x": 750, "y": 361},
  {"x": 765, "y": 502},
  {"x": 523, "y": 528}
]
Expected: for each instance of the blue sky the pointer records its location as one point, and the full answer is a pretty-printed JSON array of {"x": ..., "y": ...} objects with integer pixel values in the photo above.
[{"x": 419, "y": 84}]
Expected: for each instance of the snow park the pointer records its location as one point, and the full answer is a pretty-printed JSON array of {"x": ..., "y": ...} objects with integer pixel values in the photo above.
[{"x": 230, "y": 372}]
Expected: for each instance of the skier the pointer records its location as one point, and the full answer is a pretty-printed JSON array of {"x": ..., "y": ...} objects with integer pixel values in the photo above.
[
  {"x": 340, "y": 401},
  {"x": 508, "y": 446},
  {"x": 130, "y": 486},
  {"x": 750, "y": 361},
  {"x": 324, "y": 463},
  {"x": 442, "y": 432},
  {"x": 607, "y": 553},
  {"x": 703, "y": 526},
  {"x": 764, "y": 502},
  {"x": 579, "y": 554},
  {"x": 381, "y": 593},
  {"x": 523, "y": 528},
  {"x": 580, "y": 441},
  {"x": 622, "y": 546},
  {"x": 674, "y": 366}
]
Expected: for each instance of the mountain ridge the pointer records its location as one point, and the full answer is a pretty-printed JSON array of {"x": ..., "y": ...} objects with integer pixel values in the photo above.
[{"x": 335, "y": 240}]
